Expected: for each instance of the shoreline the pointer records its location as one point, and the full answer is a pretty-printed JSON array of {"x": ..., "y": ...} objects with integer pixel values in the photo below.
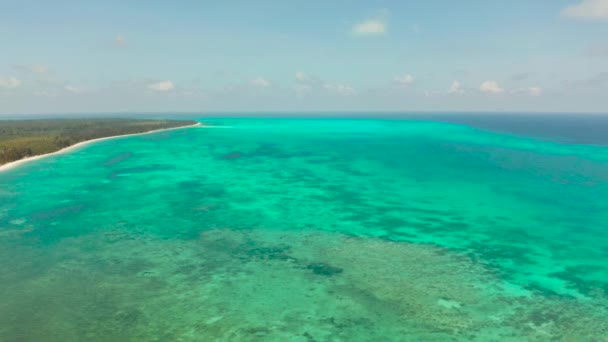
[{"x": 17, "y": 163}]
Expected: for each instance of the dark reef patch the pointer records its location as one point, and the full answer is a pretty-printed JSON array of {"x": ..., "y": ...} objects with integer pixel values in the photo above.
[
  {"x": 232, "y": 156},
  {"x": 118, "y": 158},
  {"x": 271, "y": 253},
  {"x": 324, "y": 269},
  {"x": 500, "y": 252},
  {"x": 269, "y": 150},
  {"x": 56, "y": 212},
  {"x": 574, "y": 278},
  {"x": 545, "y": 292}
]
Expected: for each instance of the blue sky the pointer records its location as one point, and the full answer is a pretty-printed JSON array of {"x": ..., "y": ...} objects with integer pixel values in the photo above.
[{"x": 434, "y": 55}]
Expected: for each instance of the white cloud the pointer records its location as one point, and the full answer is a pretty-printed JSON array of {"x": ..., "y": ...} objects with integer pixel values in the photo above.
[
  {"x": 306, "y": 84},
  {"x": 535, "y": 91},
  {"x": 76, "y": 89},
  {"x": 370, "y": 27},
  {"x": 9, "y": 83},
  {"x": 491, "y": 87},
  {"x": 531, "y": 91},
  {"x": 39, "y": 69},
  {"x": 302, "y": 86},
  {"x": 261, "y": 82},
  {"x": 162, "y": 86},
  {"x": 432, "y": 93},
  {"x": 456, "y": 88},
  {"x": 375, "y": 25},
  {"x": 341, "y": 89},
  {"x": 302, "y": 77},
  {"x": 404, "y": 80},
  {"x": 588, "y": 9},
  {"x": 120, "y": 41}
]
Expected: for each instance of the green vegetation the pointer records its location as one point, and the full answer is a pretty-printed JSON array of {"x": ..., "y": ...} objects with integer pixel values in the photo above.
[{"x": 24, "y": 138}]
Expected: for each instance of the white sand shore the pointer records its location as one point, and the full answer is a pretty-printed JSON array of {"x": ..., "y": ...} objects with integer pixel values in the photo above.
[{"x": 19, "y": 162}]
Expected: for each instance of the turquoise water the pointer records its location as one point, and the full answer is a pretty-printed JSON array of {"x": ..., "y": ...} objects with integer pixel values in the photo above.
[{"x": 308, "y": 230}]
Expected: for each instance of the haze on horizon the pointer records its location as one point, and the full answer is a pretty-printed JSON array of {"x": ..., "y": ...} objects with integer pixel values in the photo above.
[{"x": 117, "y": 56}]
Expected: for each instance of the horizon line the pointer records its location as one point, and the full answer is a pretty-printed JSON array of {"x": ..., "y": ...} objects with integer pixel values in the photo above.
[{"x": 290, "y": 112}]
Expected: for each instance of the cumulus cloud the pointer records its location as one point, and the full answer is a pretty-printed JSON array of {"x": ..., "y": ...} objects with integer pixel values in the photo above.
[
  {"x": 39, "y": 69},
  {"x": 491, "y": 87},
  {"x": 377, "y": 25},
  {"x": 306, "y": 84},
  {"x": 535, "y": 91},
  {"x": 432, "y": 93},
  {"x": 76, "y": 89},
  {"x": 456, "y": 88},
  {"x": 341, "y": 89},
  {"x": 120, "y": 41},
  {"x": 261, "y": 82},
  {"x": 370, "y": 27},
  {"x": 162, "y": 86},
  {"x": 588, "y": 9},
  {"x": 305, "y": 78},
  {"x": 9, "y": 82},
  {"x": 531, "y": 91},
  {"x": 406, "y": 79}
]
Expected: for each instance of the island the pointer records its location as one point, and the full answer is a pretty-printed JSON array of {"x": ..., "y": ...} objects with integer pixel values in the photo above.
[{"x": 21, "y": 139}]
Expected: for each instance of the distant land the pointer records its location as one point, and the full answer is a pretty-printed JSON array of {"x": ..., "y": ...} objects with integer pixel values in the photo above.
[{"x": 21, "y": 139}]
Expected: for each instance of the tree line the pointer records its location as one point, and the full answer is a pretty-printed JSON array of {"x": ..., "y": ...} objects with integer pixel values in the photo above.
[{"x": 24, "y": 138}]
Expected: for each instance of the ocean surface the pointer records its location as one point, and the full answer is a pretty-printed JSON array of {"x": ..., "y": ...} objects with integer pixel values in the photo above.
[{"x": 447, "y": 228}]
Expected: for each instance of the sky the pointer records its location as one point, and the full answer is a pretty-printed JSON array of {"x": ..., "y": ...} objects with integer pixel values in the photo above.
[{"x": 296, "y": 56}]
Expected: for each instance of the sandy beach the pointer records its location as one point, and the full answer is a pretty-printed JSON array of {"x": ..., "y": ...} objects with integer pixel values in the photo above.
[{"x": 20, "y": 162}]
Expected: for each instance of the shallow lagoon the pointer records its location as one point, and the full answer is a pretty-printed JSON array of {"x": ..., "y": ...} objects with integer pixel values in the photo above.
[{"x": 308, "y": 230}]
